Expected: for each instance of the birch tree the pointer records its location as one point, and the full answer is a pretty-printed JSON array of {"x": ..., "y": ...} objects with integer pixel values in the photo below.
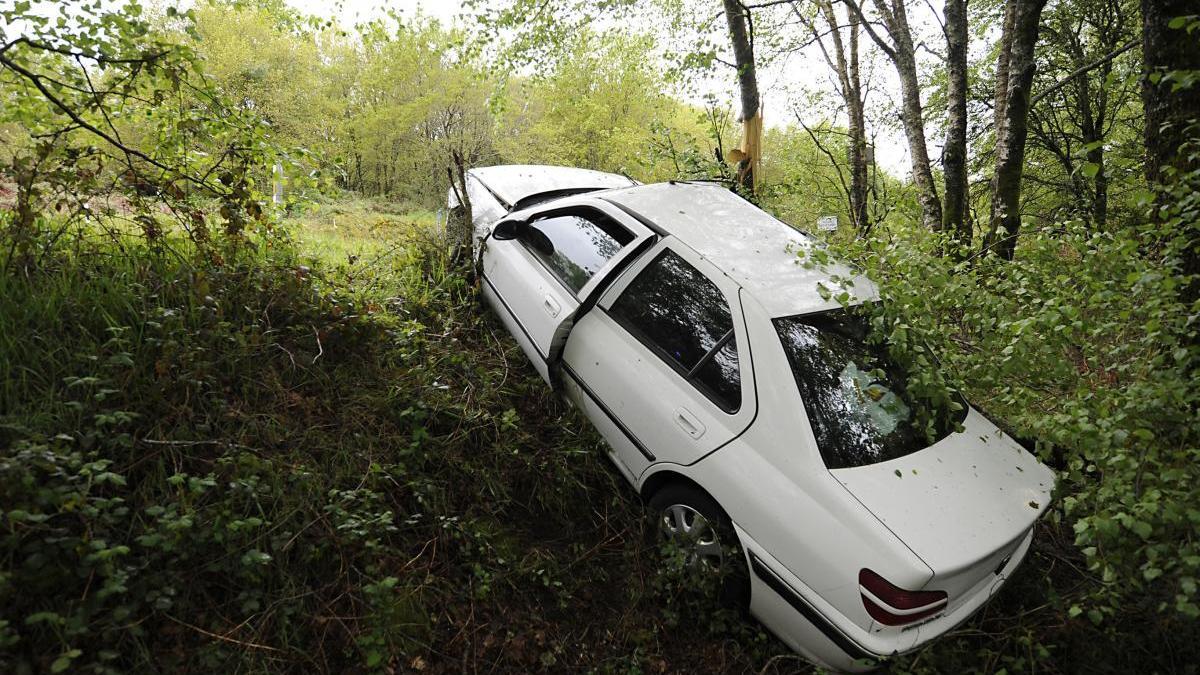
[{"x": 1012, "y": 121}]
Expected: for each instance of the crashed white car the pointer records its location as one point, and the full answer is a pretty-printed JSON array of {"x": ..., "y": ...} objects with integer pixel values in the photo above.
[{"x": 750, "y": 411}]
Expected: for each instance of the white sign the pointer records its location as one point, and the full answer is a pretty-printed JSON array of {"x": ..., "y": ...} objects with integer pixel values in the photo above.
[{"x": 827, "y": 223}]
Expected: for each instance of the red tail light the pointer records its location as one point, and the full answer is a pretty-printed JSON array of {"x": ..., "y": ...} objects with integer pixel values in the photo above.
[{"x": 893, "y": 606}]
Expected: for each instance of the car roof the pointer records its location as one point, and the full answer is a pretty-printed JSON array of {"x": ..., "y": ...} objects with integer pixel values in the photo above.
[{"x": 761, "y": 253}]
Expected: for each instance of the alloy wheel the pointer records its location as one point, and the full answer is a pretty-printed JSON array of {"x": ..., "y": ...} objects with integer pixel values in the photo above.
[{"x": 685, "y": 527}]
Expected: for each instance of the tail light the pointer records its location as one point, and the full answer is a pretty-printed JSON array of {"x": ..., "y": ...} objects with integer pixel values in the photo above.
[{"x": 893, "y": 606}]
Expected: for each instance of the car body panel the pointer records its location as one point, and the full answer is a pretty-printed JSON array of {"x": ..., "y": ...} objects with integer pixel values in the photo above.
[
  {"x": 495, "y": 190},
  {"x": 518, "y": 286},
  {"x": 534, "y": 304},
  {"x": 760, "y": 252},
  {"x": 644, "y": 393},
  {"x": 514, "y": 182},
  {"x": 998, "y": 490}
]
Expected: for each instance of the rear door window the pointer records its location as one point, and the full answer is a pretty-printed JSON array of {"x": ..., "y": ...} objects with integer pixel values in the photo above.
[
  {"x": 575, "y": 246},
  {"x": 683, "y": 317}
]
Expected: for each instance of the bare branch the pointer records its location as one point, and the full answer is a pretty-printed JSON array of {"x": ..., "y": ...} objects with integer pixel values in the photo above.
[
  {"x": 1081, "y": 70},
  {"x": 887, "y": 49}
]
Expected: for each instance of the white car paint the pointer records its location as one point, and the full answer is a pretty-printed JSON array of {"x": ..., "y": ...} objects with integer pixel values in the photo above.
[
  {"x": 659, "y": 408},
  {"x": 762, "y": 254},
  {"x": 494, "y": 190},
  {"x": 958, "y": 518}
]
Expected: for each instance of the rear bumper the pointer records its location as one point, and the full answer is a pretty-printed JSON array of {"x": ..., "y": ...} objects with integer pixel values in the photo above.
[
  {"x": 977, "y": 597},
  {"x": 821, "y": 633}
]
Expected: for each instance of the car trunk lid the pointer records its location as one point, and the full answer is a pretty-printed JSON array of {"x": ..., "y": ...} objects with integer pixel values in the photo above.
[
  {"x": 962, "y": 505},
  {"x": 512, "y": 183}
]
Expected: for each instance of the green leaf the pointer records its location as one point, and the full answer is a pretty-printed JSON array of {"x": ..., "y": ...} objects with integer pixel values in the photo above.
[
  {"x": 64, "y": 661},
  {"x": 1090, "y": 169},
  {"x": 1175, "y": 24}
]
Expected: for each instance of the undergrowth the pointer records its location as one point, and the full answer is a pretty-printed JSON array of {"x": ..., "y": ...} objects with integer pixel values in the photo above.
[
  {"x": 260, "y": 464},
  {"x": 271, "y": 459}
]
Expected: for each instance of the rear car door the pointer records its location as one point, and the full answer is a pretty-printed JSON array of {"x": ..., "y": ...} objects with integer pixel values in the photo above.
[
  {"x": 662, "y": 365},
  {"x": 537, "y": 282}
]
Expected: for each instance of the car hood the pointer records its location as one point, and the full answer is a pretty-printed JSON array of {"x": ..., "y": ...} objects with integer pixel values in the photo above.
[
  {"x": 958, "y": 501},
  {"x": 514, "y": 182}
]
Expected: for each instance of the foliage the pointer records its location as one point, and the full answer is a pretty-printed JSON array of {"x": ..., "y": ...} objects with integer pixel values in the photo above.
[
  {"x": 597, "y": 109},
  {"x": 113, "y": 107},
  {"x": 301, "y": 446},
  {"x": 1084, "y": 344}
]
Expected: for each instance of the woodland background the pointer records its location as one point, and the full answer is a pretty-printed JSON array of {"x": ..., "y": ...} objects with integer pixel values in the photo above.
[{"x": 237, "y": 435}]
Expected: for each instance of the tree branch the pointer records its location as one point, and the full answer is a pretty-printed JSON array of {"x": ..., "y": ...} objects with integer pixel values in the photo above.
[
  {"x": 1081, "y": 70},
  {"x": 891, "y": 52},
  {"x": 75, "y": 117}
]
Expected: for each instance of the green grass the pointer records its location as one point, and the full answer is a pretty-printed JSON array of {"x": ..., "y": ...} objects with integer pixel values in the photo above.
[{"x": 344, "y": 232}]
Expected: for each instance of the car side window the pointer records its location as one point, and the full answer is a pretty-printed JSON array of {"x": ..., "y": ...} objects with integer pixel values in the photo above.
[
  {"x": 682, "y": 316},
  {"x": 574, "y": 247}
]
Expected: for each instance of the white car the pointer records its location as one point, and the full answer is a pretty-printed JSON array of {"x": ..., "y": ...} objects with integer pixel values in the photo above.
[{"x": 744, "y": 405}]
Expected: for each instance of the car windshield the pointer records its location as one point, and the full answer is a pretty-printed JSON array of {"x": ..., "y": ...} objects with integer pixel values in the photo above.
[{"x": 856, "y": 397}]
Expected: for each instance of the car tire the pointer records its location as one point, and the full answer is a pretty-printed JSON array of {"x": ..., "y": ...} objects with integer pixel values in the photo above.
[{"x": 675, "y": 507}]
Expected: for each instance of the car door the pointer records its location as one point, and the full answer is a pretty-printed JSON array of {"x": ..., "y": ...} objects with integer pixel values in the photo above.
[
  {"x": 536, "y": 282},
  {"x": 662, "y": 364}
]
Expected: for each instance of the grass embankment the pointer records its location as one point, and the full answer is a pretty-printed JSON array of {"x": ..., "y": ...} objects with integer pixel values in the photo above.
[{"x": 321, "y": 456}]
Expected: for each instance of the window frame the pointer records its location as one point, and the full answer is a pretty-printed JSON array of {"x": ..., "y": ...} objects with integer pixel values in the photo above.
[
  {"x": 592, "y": 215},
  {"x": 654, "y": 348}
]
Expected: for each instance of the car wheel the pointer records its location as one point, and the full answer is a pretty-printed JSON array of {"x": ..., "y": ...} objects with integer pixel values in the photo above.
[{"x": 689, "y": 518}]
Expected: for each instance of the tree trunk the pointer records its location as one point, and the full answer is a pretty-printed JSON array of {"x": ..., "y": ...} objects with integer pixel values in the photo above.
[
  {"x": 903, "y": 56},
  {"x": 460, "y": 221},
  {"x": 845, "y": 64},
  {"x": 1171, "y": 115},
  {"x": 1005, "y": 53},
  {"x": 1091, "y": 130},
  {"x": 954, "y": 154},
  {"x": 858, "y": 136},
  {"x": 1167, "y": 112},
  {"x": 737, "y": 16},
  {"x": 913, "y": 116},
  {"x": 1010, "y": 144}
]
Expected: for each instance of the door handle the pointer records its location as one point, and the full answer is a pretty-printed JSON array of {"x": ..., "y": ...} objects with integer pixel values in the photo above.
[
  {"x": 551, "y": 306},
  {"x": 689, "y": 422}
]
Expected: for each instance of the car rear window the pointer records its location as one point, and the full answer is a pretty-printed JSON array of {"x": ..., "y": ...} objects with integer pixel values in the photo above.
[
  {"x": 581, "y": 245},
  {"x": 682, "y": 316},
  {"x": 855, "y": 396}
]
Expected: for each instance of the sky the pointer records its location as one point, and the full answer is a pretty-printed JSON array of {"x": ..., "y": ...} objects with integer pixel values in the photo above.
[
  {"x": 349, "y": 12},
  {"x": 778, "y": 84}
]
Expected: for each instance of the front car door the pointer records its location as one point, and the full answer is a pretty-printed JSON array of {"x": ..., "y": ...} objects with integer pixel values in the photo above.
[
  {"x": 662, "y": 366},
  {"x": 537, "y": 282}
]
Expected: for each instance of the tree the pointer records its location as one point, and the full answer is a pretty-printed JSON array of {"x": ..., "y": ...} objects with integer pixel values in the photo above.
[
  {"x": 842, "y": 57},
  {"x": 1017, "y": 64},
  {"x": 1085, "y": 111},
  {"x": 116, "y": 106},
  {"x": 897, "y": 43},
  {"x": 597, "y": 108},
  {"x": 1168, "y": 47},
  {"x": 954, "y": 154},
  {"x": 1171, "y": 98},
  {"x": 741, "y": 38}
]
